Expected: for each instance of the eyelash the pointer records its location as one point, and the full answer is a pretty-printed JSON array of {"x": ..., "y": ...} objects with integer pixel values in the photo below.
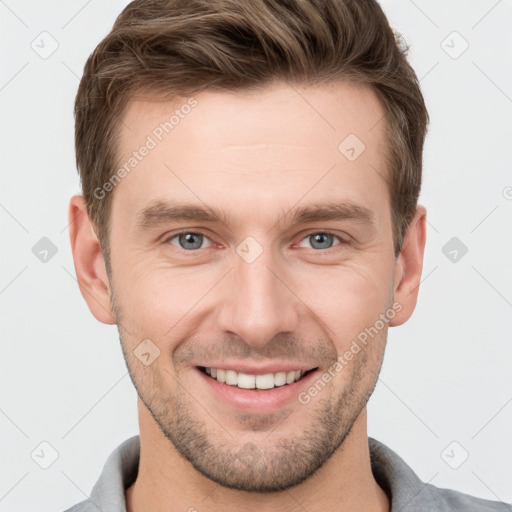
[{"x": 343, "y": 242}]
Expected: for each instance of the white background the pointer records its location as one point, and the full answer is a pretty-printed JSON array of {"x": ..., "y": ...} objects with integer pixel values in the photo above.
[{"x": 446, "y": 375}]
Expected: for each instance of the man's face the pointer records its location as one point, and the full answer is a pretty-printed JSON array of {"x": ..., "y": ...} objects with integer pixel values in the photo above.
[{"x": 262, "y": 290}]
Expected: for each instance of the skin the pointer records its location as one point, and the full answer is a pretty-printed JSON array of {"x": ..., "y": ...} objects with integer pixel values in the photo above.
[{"x": 255, "y": 156}]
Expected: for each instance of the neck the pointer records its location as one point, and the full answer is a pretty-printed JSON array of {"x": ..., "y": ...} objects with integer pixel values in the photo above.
[{"x": 166, "y": 481}]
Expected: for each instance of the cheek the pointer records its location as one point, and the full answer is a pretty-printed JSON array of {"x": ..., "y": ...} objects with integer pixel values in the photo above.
[
  {"x": 346, "y": 299},
  {"x": 158, "y": 301}
]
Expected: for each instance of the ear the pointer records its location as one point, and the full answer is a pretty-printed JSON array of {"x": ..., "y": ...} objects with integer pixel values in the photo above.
[
  {"x": 90, "y": 266},
  {"x": 409, "y": 265}
]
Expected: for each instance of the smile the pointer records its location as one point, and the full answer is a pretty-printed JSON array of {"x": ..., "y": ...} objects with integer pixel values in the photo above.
[{"x": 249, "y": 381}]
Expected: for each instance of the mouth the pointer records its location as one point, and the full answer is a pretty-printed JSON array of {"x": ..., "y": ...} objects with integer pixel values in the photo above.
[
  {"x": 263, "y": 390},
  {"x": 263, "y": 382}
]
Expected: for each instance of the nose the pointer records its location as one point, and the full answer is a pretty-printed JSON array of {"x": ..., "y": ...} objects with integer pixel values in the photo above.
[{"x": 259, "y": 302}]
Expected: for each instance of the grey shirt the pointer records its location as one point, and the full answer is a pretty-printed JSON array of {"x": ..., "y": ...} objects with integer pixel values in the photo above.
[{"x": 406, "y": 491}]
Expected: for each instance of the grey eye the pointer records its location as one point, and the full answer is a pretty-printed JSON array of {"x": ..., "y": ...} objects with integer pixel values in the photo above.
[
  {"x": 321, "y": 240},
  {"x": 189, "y": 241}
]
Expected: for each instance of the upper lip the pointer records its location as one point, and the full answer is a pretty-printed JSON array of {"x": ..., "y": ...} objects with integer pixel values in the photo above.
[{"x": 258, "y": 370}]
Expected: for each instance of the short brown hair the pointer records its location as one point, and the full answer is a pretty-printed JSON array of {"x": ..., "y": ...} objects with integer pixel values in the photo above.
[{"x": 180, "y": 47}]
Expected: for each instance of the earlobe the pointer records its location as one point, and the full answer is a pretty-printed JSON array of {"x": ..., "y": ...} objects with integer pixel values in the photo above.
[
  {"x": 89, "y": 263},
  {"x": 409, "y": 266}
]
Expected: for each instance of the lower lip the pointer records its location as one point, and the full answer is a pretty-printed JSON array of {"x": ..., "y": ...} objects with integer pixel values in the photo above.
[{"x": 254, "y": 400}]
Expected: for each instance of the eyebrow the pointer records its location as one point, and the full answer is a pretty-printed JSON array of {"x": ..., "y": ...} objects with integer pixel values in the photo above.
[{"x": 161, "y": 212}]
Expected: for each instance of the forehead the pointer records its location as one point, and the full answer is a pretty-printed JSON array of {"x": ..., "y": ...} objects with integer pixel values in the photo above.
[
  {"x": 254, "y": 150},
  {"x": 281, "y": 114}
]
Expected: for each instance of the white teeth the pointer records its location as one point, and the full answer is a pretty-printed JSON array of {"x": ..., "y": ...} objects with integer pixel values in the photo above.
[
  {"x": 247, "y": 381},
  {"x": 265, "y": 381},
  {"x": 231, "y": 377},
  {"x": 280, "y": 379}
]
